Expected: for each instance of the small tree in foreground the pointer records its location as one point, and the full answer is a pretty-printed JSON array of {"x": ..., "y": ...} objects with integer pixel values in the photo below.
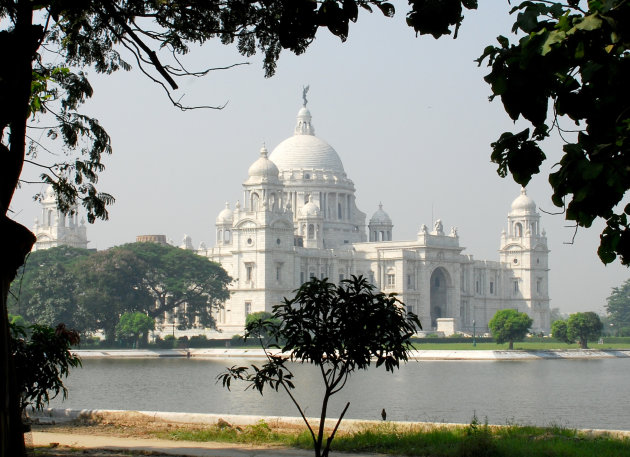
[
  {"x": 508, "y": 325},
  {"x": 580, "y": 327},
  {"x": 339, "y": 329},
  {"x": 42, "y": 358}
]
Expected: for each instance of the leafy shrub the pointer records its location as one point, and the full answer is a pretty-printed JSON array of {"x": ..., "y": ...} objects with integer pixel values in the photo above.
[
  {"x": 198, "y": 341},
  {"x": 42, "y": 358}
]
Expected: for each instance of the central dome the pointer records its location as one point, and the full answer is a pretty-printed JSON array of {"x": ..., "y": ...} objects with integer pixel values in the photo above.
[
  {"x": 305, "y": 151},
  {"x": 308, "y": 152}
]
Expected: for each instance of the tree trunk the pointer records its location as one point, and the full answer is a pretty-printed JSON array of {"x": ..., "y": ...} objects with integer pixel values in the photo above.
[
  {"x": 13, "y": 253},
  {"x": 19, "y": 46},
  {"x": 511, "y": 346},
  {"x": 583, "y": 342}
]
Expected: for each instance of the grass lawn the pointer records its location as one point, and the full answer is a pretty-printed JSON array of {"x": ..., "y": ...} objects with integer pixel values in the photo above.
[
  {"x": 475, "y": 440},
  {"x": 525, "y": 345}
]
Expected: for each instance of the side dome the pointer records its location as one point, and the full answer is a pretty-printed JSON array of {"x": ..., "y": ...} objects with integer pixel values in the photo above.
[
  {"x": 226, "y": 215},
  {"x": 380, "y": 216},
  {"x": 523, "y": 204},
  {"x": 263, "y": 169},
  {"x": 310, "y": 210},
  {"x": 305, "y": 151}
]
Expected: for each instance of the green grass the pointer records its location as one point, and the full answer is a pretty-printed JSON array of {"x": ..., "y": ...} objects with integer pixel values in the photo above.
[
  {"x": 525, "y": 345},
  {"x": 474, "y": 440}
]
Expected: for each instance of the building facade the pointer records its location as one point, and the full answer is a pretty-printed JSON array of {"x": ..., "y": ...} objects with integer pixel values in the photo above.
[{"x": 298, "y": 219}]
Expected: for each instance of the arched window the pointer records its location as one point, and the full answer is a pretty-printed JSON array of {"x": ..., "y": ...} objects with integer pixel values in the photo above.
[
  {"x": 518, "y": 229},
  {"x": 226, "y": 236},
  {"x": 219, "y": 235},
  {"x": 272, "y": 201},
  {"x": 254, "y": 202},
  {"x": 311, "y": 231}
]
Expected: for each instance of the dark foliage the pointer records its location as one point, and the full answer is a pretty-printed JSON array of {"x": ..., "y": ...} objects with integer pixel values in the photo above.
[{"x": 42, "y": 359}]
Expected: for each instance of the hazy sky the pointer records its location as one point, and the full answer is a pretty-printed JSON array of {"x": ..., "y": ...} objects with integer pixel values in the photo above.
[{"x": 409, "y": 117}]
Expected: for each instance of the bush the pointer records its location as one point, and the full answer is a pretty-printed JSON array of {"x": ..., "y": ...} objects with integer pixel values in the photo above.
[
  {"x": 198, "y": 341},
  {"x": 182, "y": 342}
]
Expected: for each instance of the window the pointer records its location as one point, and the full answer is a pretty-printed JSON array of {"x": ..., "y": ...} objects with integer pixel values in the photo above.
[
  {"x": 518, "y": 229},
  {"x": 478, "y": 286},
  {"x": 278, "y": 272},
  {"x": 339, "y": 211},
  {"x": 390, "y": 280},
  {"x": 254, "y": 201},
  {"x": 539, "y": 285},
  {"x": 410, "y": 309},
  {"x": 248, "y": 308},
  {"x": 311, "y": 274},
  {"x": 437, "y": 282},
  {"x": 491, "y": 287},
  {"x": 341, "y": 277},
  {"x": 249, "y": 269},
  {"x": 409, "y": 281},
  {"x": 301, "y": 277},
  {"x": 516, "y": 287}
]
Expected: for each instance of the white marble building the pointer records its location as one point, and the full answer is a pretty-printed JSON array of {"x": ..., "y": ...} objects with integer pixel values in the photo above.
[
  {"x": 298, "y": 218},
  {"x": 58, "y": 229}
]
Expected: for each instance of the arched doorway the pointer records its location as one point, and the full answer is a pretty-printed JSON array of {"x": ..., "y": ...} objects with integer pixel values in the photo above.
[{"x": 439, "y": 284}]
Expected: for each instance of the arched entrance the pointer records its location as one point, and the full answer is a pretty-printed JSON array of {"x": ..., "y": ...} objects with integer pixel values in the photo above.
[{"x": 439, "y": 283}]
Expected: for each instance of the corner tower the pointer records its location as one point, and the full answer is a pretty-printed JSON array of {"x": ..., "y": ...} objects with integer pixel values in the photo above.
[
  {"x": 56, "y": 228},
  {"x": 524, "y": 251}
]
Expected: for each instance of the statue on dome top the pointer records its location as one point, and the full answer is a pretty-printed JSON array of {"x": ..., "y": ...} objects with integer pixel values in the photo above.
[{"x": 304, "y": 92}]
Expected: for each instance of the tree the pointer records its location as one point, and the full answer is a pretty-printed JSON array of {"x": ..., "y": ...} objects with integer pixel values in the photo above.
[
  {"x": 133, "y": 326},
  {"x": 109, "y": 285},
  {"x": 91, "y": 290},
  {"x": 180, "y": 280},
  {"x": 559, "y": 330},
  {"x": 508, "y": 325},
  {"x": 568, "y": 74},
  {"x": 618, "y": 306},
  {"x": 42, "y": 357},
  {"x": 582, "y": 327},
  {"x": 339, "y": 329}
]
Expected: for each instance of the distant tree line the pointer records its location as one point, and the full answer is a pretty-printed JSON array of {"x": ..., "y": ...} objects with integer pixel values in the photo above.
[{"x": 112, "y": 290}]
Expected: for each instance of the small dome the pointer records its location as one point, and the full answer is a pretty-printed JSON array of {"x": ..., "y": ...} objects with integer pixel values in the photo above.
[
  {"x": 523, "y": 204},
  {"x": 263, "y": 168},
  {"x": 380, "y": 216},
  {"x": 310, "y": 210},
  {"x": 226, "y": 215}
]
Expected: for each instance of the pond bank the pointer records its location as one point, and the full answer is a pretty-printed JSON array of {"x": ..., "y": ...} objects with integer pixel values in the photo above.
[{"x": 224, "y": 353}]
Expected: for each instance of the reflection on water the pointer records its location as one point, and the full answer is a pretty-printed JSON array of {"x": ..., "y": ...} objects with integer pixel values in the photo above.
[{"x": 574, "y": 393}]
